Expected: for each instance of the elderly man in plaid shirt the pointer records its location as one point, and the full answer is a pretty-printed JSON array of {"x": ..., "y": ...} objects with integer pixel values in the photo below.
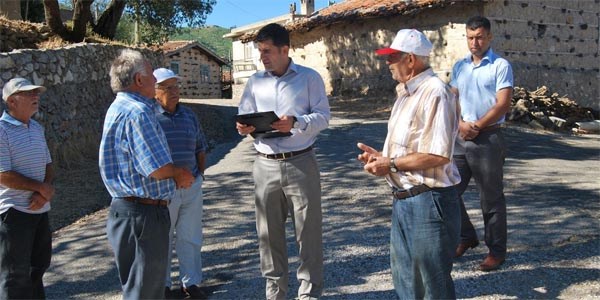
[{"x": 137, "y": 170}]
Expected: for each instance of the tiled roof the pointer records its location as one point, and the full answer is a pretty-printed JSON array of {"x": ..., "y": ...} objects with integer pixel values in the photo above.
[
  {"x": 171, "y": 47},
  {"x": 362, "y": 9}
]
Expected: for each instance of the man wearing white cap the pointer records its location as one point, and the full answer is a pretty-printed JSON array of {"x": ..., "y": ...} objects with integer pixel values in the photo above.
[
  {"x": 188, "y": 149},
  {"x": 25, "y": 194},
  {"x": 416, "y": 161}
]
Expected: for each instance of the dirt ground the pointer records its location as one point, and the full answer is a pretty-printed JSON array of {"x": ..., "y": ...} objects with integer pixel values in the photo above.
[{"x": 80, "y": 191}]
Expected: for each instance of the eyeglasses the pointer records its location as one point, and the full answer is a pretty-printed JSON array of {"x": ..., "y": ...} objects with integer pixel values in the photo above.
[
  {"x": 32, "y": 93},
  {"x": 170, "y": 88}
]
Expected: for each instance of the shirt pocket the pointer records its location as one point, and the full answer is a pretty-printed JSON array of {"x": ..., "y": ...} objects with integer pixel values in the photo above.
[{"x": 401, "y": 137}]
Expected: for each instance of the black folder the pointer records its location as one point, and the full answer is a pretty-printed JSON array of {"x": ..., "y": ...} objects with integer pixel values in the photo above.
[{"x": 262, "y": 122}]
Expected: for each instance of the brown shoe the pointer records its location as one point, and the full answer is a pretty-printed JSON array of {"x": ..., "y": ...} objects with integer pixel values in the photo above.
[
  {"x": 463, "y": 247},
  {"x": 491, "y": 263},
  {"x": 194, "y": 292}
]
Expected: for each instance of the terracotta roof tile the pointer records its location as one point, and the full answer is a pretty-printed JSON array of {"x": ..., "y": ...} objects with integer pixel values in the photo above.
[{"x": 361, "y": 9}]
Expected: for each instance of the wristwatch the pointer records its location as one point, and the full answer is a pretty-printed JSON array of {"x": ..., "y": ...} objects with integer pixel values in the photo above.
[
  {"x": 393, "y": 168},
  {"x": 295, "y": 123}
]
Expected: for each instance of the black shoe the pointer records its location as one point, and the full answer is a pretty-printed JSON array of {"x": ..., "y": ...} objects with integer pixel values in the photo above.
[
  {"x": 168, "y": 293},
  {"x": 194, "y": 292}
]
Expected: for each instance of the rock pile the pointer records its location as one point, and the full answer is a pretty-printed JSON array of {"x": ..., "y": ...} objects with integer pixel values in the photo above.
[
  {"x": 542, "y": 109},
  {"x": 21, "y": 35}
]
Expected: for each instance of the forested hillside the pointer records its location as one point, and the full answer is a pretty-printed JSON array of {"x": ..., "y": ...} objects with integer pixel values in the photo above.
[{"x": 211, "y": 37}]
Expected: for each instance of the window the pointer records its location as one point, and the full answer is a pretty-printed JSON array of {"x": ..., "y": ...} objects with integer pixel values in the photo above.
[
  {"x": 248, "y": 48},
  {"x": 204, "y": 73},
  {"x": 175, "y": 67}
]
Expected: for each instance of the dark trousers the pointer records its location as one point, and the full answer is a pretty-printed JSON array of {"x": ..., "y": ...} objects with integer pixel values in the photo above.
[
  {"x": 483, "y": 161},
  {"x": 139, "y": 236},
  {"x": 25, "y": 252}
]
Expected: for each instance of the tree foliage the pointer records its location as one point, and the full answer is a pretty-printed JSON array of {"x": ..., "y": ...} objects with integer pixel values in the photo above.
[{"x": 157, "y": 18}]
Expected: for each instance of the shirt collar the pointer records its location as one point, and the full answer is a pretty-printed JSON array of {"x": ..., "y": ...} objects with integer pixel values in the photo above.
[
  {"x": 489, "y": 56},
  {"x": 136, "y": 97},
  {"x": 10, "y": 119},
  {"x": 413, "y": 84},
  {"x": 164, "y": 112},
  {"x": 292, "y": 67}
]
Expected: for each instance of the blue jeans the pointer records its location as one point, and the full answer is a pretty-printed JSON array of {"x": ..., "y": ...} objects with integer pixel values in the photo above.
[
  {"x": 25, "y": 251},
  {"x": 424, "y": 236},
  {"x": 185, "y": 210},
  {"x": 139, "y": 236}
]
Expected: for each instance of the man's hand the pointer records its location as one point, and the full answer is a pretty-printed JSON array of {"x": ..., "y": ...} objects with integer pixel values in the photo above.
[
  {"x": 46, "y": 190},
  {"x": 244, "y": 129},
  {"x": 37, "y": 201},
  {"x": 378, "y": 166},
  {"x": 467, "y": 130},
  {"x": 183, "y": 178},
  {"x": 284, "y": 124},
  {"x": 368, "y": 154}
]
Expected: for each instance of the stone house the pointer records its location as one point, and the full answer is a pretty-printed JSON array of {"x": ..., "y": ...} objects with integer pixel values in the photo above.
[
  {"x": 200, "y": 68},
  {"x": 551, "y": 42}
]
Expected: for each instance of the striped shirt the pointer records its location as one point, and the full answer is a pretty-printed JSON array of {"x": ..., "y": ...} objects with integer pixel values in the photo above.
[
  {"x": 133, "y": 146},
  {"x": 299, "y": 92},
  {"x": 23, "y": 149},
  {"x": 184, "y": 136},
  {"x": 424, "y": 119}
]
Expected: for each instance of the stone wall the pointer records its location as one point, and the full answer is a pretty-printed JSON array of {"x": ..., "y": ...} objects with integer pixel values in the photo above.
[
  {"x": 551, "y": 43},
  {"x": 191, "y": 61},
  {"x": 343, "y": 53},
  {"x": 72, "y": 109}
]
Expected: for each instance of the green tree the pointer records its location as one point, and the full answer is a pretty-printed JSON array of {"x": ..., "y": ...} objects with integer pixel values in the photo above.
[{"x": 157, "y": 18}]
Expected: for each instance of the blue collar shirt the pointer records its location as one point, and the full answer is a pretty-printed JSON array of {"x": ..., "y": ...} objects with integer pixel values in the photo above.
[
  {"x": 133, "y": 146},
  {"x": 478, "y": 84},
  {"x": 184, "y": 136}
]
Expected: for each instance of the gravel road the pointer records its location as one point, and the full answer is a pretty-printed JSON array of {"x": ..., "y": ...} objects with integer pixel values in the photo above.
[{"x": 552, "y": 189}]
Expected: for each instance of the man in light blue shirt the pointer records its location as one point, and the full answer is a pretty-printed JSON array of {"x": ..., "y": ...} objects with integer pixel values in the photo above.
[
  {"x": 286, "y": 174},
  {"x": 138, "y": 172},
  {"x": 25, "y": 194},
  {"x": 483, "y": 82}
]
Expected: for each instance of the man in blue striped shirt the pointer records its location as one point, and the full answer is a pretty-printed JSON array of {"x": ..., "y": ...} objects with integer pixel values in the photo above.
[
  {"x": 188, "y": 146},
  {"x": 25, "y": 193},
  {"x": 137, "y": 170}
]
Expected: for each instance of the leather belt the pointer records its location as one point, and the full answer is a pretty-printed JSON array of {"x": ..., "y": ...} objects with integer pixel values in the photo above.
[
  {"x": 413, "y": 191},
  {"x": 285, "y": 155},
  {"x": 147, "y": 201},
  {"x": 490, "y": 128}
]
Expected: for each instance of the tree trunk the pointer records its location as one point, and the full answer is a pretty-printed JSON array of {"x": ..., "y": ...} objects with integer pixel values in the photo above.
[
  {"x": 53, "y": 19},
  {"x": 81, "y": 16},
  {"x": 108, "y": 21}
]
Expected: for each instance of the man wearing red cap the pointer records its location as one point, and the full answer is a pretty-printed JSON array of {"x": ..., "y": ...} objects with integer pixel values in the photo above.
[{"x": 416, "y": 162}]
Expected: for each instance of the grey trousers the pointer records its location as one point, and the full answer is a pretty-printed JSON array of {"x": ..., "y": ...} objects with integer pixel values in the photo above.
[
  {"x": 281, "y": 187},
  {"x": 139, "y": 236},
  {"x": 483, "y": 161}
]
